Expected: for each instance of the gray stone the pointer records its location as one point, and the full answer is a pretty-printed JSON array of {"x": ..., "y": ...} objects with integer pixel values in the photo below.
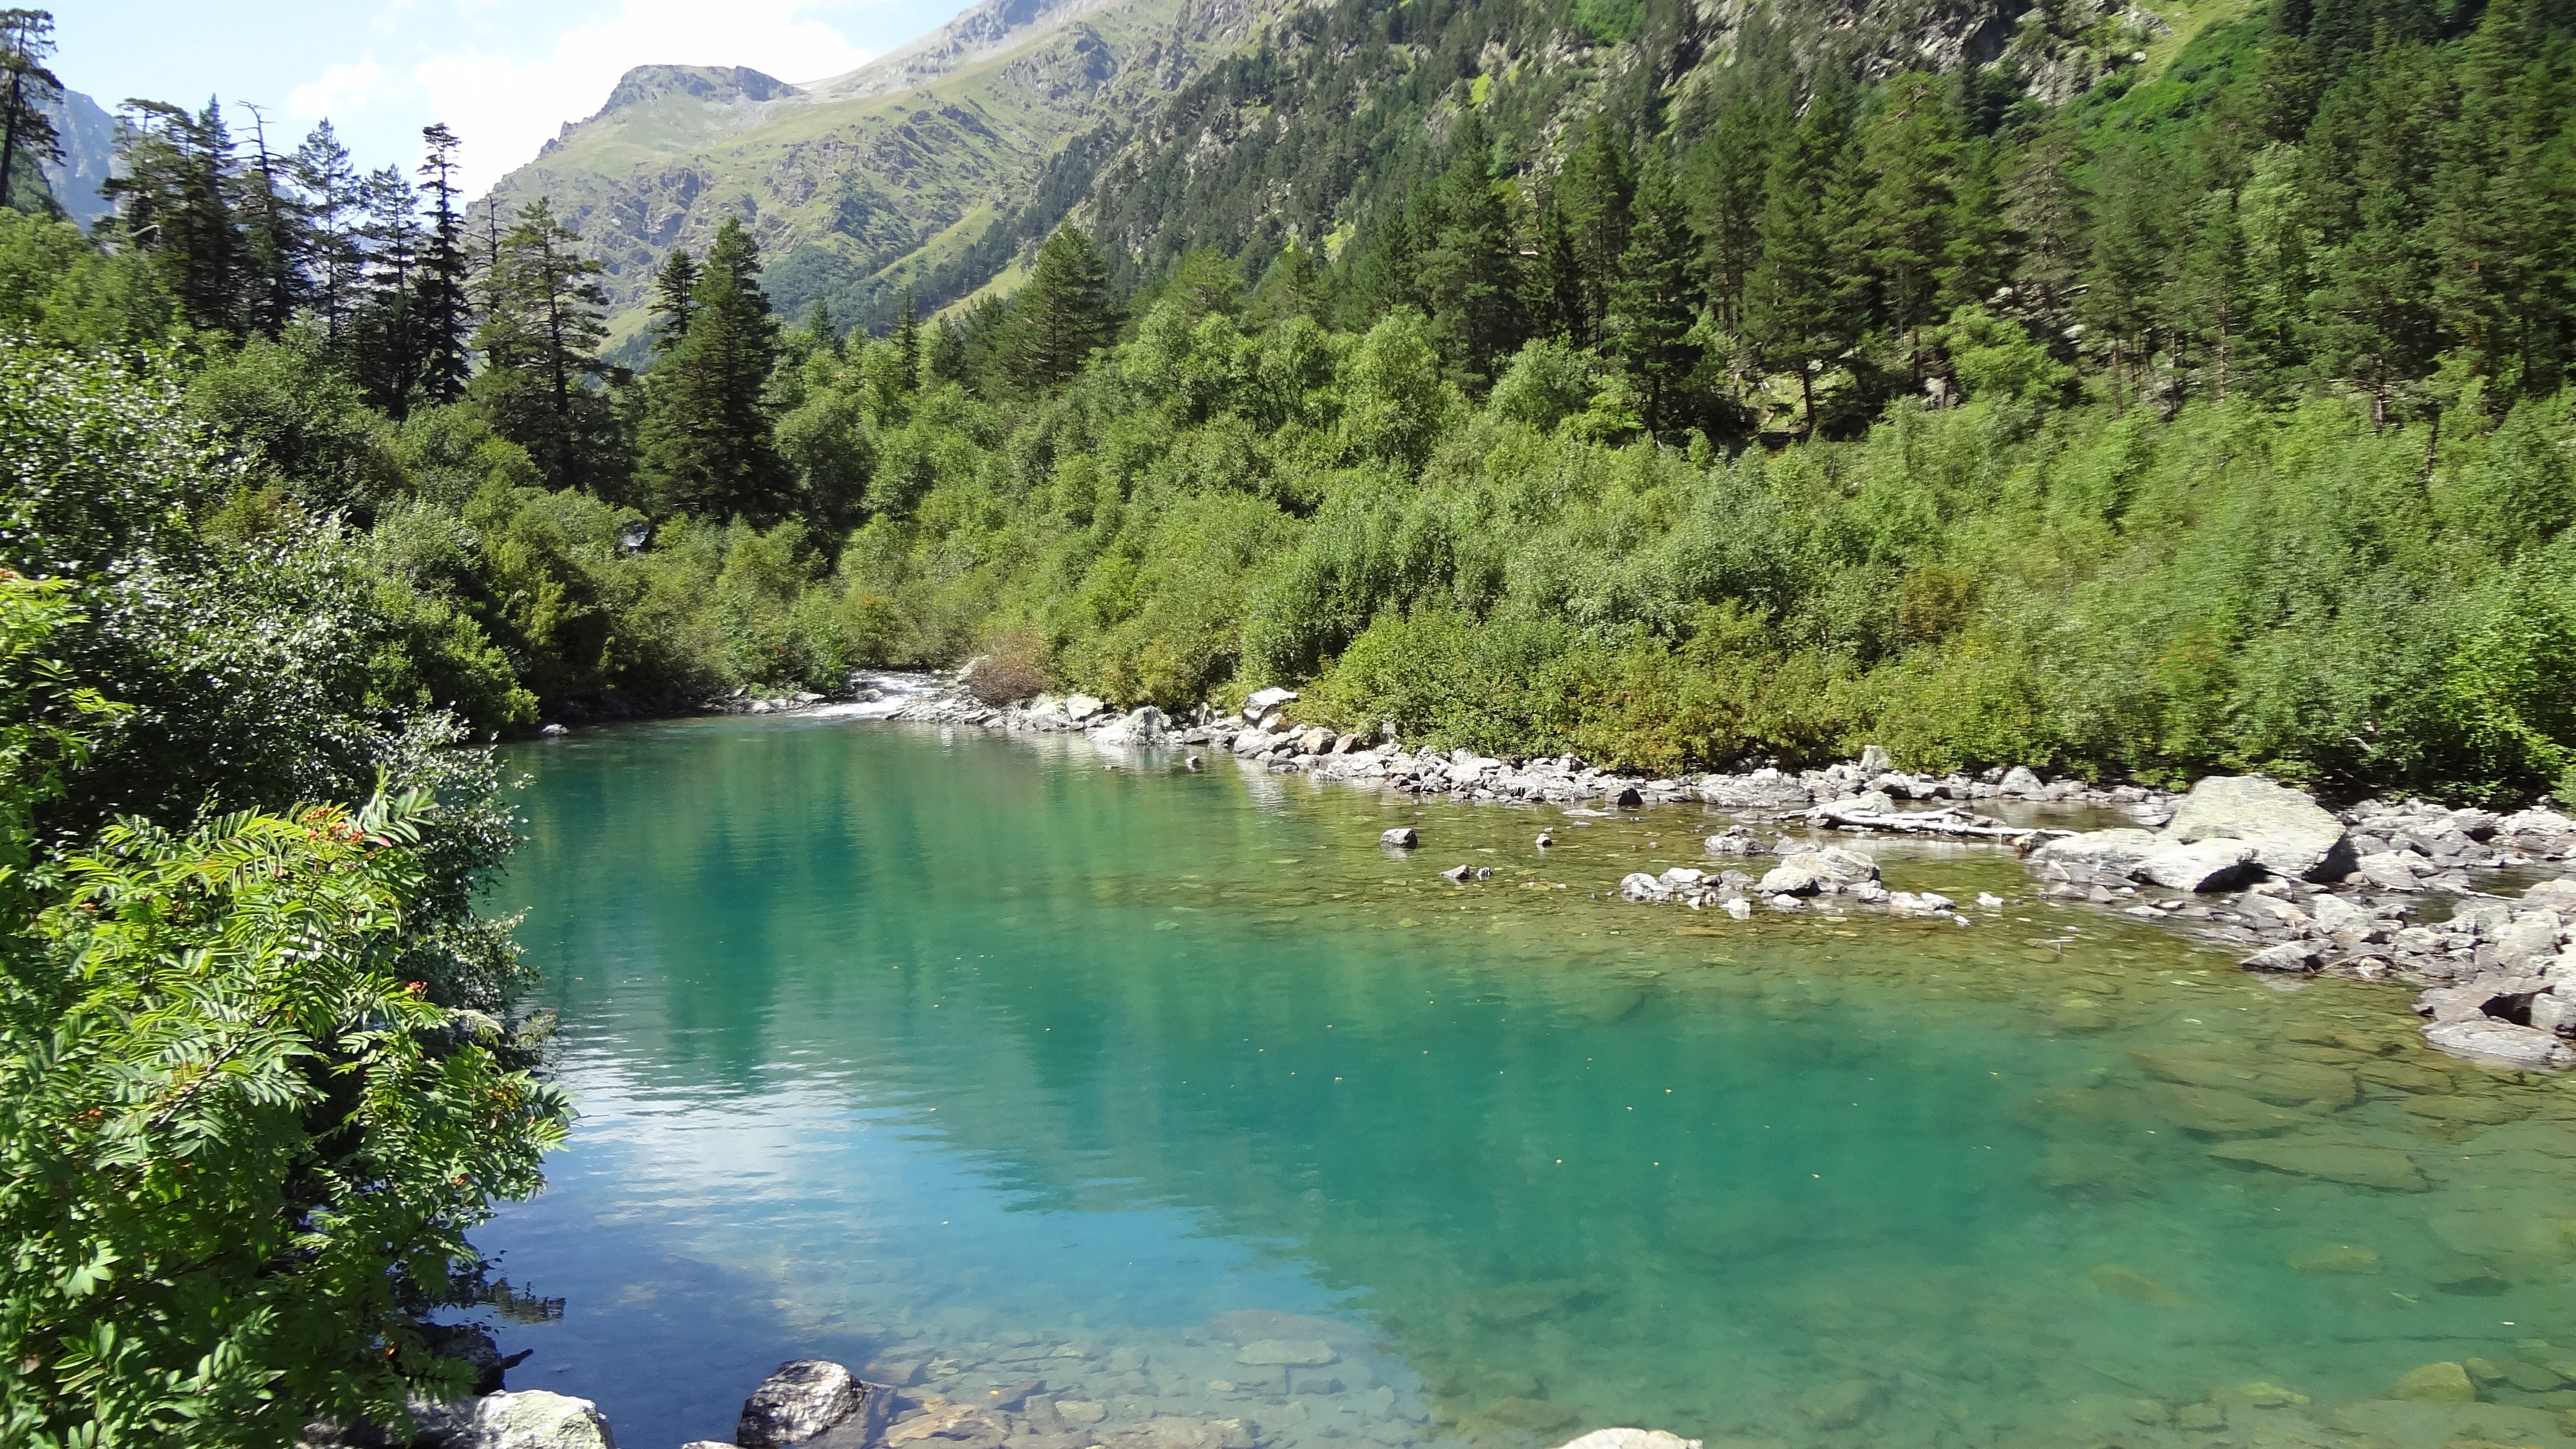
[
  {"x": 2334, "y": 913},
  {"x": 2116, "y": 852},
  {"x": 2556, "y": 895},
  {"x": 1875, "y": 760},
  {"x": 804, "y": 1398},
  {"x": 1762, "y": 790},
  {"x": 2553, "y": 1012},
  {"x": 1459, "y": 873},
  {"x": 1867, "y": 802},
  {"x": 1681, "y": 877},
  {"x": 2292, "y": 835},
  {"x": 1263, "y": 701},
  {"x": 534, "y": 1419},
  {"x": 2530, "y": 937},
  {"x": 1080, "y": 707},
  {"x": 553, "y": 732},
  {"x": 1734, "y": 842},
  {"x": 1639, "y": 886},
  {"x": 2393, "y": 870},
  {"x": 1287, "y": 1352},
  {"x": 1633, "y": 1438},
  {"x": 1401, "y": 837},
  {"x": 1833, "y": 866},
  {"x": 2020, "y": 781},
  {"x": 2288, "y": 956},
  {"x": 2208, "y": 865},
  {"x": 2500, "y": 1041},
  {"x": 1315, "y": 741},
  {"x": 1627, "y": 798},
  {"x": 1789, "y": 880}
]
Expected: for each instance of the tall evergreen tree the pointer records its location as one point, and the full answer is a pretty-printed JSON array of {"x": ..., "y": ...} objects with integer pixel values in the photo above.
[
  {"x": 907, "y": 338},
  {"x": 1910, "y": 150},
  {"x": 444, "y": 312},
  {"x": 1657, "y": 299},
  {"x": 335, "y": 211},
  {"x": 273, "y": 243},
  {"x": 542, "y": 328},
  {"x": 384, "y": 329},
  {"x": 1593, "y": 195},
  {"x": 1061, "y": 316},
  {"x": 2047, "y": 213},
  {"x": 2125, "y": 274},
  {"x": 1727, "y": 173},
  {"x": 707, "y": 440},
  {"x": 675, "y": 300},
  {"x": 1553, "y": 282},
  {"x": 27, "y": 136},
  {"x": 1794, "y": 304},
  {"x": 1470, "y": 272},
  {"x": 2212, "y": 295},
  {"x": 174, "y": 174},
  {"x": 1292, "y": 286}
]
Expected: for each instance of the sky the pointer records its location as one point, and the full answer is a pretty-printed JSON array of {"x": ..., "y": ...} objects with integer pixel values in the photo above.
[{"x": 505, "y": 75}]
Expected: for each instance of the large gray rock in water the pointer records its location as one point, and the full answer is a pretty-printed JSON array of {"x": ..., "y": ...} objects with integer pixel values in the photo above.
[
  {"x": 2484, "y": 1036},
  {"x": 1832, "y": 865},
  {"x": 531, "y": 1420},
  {"x": 2208, "y": 865},
  {"x": 2556, "y": 895},
  {"x": 1789, "y": 880},
  {"x": 2292, "y": 835},
  {"x": 803, "y": 1399},
  {"x": 2115, "y": 852},
  {"x": 1634, "y": 1438},
  {"x": 1761, "y": 790}
]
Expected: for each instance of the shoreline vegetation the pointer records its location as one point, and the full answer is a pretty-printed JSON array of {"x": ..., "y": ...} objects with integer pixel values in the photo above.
[{"x": 2151, "y": 428}]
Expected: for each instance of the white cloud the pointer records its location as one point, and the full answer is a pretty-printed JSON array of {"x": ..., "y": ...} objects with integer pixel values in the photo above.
[
  {"x": 343, "y": 90},
  {"x": 504, "y": 99}
]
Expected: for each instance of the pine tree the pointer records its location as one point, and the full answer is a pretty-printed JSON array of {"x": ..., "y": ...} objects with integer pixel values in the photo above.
[
  {"x": 1794, "y": 305},
  {"x": 542, "y": 328},
  {"x": 1293, "y": 286},
  {"x": 907, "y": 338},
  {"x": 1593, "y": 196},
  {"x": 2493, "y": 214},
  {"x": 1910, "y": 149},
  {"x": 1727, "y": 172},
  {"x": 2047, "y": 211},
  {"x": 1061, "y": 316},
  {"x": 335, "y": 200},
  {"x": 174, "y": 173},
  {"x": 27, "y": 136},
  {"x": 2125, "y": 272},
  {"x": 2378, "y": 330},
  {"x": 444, "y": 312},
  {"x": 707, "y": 444},
  {"x": 1553, "y": 282},
  {"x": 383, "y": 329},
  {"x": 1657, "y": 299},
  {"x": 1470, "y": 272},
  {"x": 675, "y": 292},
  {"x": 273, "y": 241},
  {"x": 2211, "y": 294}
]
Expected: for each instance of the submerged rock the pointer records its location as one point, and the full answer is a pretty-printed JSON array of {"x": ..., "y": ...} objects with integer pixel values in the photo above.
[
  {"x": 1287, "y": 1352},
  {"x": 2356, "y": 1164},
  {"x": 1633, "y": 1438},
  {"x": 2439, "y": 1383},
  {"x": 2503, "y": 1041}
]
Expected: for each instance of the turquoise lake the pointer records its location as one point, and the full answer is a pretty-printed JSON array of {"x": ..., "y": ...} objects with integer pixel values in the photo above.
[{"x": 997, "y": 1061}]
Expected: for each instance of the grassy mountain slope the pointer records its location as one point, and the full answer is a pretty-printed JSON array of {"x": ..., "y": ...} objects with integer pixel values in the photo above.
[{"x": 858, "y": 184}]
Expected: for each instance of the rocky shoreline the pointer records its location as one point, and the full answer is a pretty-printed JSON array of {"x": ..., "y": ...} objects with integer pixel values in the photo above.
[{"x": 2383, "y": 890}]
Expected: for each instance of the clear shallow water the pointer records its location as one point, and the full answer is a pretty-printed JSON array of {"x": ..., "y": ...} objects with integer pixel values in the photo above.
[{"x": 971, "y": 1054}]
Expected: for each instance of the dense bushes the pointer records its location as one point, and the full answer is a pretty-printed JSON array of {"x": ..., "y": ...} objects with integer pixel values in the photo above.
[{"x": 253, "y": 1088}]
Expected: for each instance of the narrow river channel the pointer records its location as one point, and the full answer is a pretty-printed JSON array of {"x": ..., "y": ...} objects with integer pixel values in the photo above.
[{"x": 976, "y": 1060}]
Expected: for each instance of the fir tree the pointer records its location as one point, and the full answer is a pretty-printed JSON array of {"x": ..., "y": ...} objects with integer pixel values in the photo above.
[
  {"x": 907, "y": 338},
  {"x": 27, "y": 137},
  {"x": 1910, "y": 149},
  {"x": 335, "y": 201},
  {"x": 2046, "y": 211},
  {"x": 174, "y": 173},
  {"x": 1794, "y": 309},
  {"x": 1656, "y": 300},
  {"x": 1470, "y": 271},
  {"x": 707, "y": 444},
  {"x": 1061, "y": 316},
  {"x": 1593, "y": 196},
  {"x": 540, "y": 341},
  {"x": 675, "y": 293},
  {"x": 384, "y": 333},
  {"x": 273, "y": 244},
  {"x": 444, "y": 312},
  {"x": 1726, "y": 180}
]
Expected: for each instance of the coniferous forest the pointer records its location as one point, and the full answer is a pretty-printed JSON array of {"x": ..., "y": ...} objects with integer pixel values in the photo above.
[{"x": 2215, "y": 413}]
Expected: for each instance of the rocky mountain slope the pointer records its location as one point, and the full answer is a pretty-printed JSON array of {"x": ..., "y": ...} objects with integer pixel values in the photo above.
[
  {"x": 857, "y": 184},
  {"x": 1236, "y": 124}
]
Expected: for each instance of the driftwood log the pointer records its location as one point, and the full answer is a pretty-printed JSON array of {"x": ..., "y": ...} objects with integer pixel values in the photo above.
[{"x": 1933, "y": 822}]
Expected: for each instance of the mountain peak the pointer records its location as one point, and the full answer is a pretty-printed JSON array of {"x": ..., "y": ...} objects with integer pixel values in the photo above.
[{"x": 713, "y": 84}]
